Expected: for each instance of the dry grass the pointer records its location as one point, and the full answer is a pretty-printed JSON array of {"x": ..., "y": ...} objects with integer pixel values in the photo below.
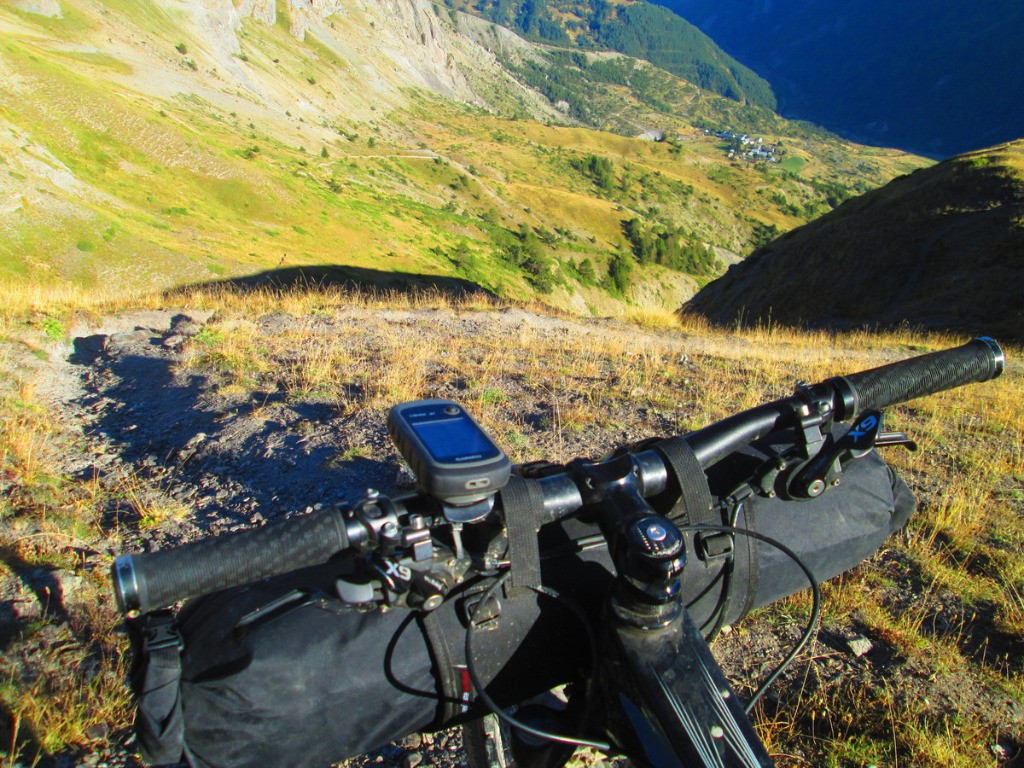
[
  {"x": 619, "y": 381},
  {"x": 23, "y": 300},
  {"x": 65, "y": 672}
]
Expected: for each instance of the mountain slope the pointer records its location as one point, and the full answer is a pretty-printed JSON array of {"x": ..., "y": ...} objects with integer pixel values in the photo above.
[
  {"x": 149, "y": 144},
  {"x": 941, "y": 248},
  {"x": 639, "y": 29},
  {"x": 933, "y": 78}
]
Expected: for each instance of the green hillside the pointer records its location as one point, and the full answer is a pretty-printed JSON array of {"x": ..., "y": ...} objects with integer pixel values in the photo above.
[
  {"x": 942, "y": 248},
  {"x": 188, "y": 150},
  {"x": 637, "y": 29}
]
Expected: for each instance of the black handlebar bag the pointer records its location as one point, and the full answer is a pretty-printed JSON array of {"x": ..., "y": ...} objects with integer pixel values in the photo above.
[{"x": 282, "y": 673}]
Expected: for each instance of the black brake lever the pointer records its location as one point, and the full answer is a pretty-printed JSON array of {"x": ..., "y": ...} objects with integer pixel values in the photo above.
[
  {"x": 895, "y": 438},
  {"x": 816, "y": 475}
]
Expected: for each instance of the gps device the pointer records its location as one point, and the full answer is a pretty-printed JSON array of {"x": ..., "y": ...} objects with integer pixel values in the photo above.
[{"x": 453, "y": 458}]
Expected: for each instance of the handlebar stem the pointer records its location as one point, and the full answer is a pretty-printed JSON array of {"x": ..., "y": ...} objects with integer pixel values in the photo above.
[{"x": 648, "y": 550}]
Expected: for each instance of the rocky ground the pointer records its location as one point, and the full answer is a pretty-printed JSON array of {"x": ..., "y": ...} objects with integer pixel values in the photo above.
[{"x": 128, "y": 408}]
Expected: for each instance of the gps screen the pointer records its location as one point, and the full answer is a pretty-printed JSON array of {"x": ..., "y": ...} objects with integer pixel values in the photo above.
[{"x": 454, "y": 441}]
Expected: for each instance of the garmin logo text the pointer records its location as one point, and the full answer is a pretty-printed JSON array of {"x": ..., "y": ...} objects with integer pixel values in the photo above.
[{"x": 474, "y": 457}]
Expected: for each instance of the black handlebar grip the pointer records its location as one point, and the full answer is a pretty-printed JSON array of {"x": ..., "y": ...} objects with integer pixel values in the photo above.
[
  {"x": 158, "y": 579},
  {"x": 977, "y": 360}
]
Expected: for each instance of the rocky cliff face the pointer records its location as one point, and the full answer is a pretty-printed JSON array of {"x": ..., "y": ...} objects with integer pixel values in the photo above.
[
  {"x": 408, "y": 34},
  {"x": 392, "y": 45},
  {"x": 369, "y": 51}
]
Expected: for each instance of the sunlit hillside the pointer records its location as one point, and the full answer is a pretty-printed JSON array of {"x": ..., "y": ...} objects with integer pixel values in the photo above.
[{"x": 153, "y": 144}]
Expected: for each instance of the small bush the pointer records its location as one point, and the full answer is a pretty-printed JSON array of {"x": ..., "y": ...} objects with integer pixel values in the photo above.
[
  {"x": 53, "y": 329},
  {"x": 208, "y": 336}
]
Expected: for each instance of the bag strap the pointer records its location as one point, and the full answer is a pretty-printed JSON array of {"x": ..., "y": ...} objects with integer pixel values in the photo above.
[
  {"x": 521, "y": 499},
  {"x": 155, "y": 680},
  {"x": 695, "y": 505},
  {"x": 449, "y": 679}
]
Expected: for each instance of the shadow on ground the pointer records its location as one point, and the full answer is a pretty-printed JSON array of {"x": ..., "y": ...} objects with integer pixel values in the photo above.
[
  {"x": 343, "y": 277},
  {"x": 224, "y": 459},
  {"x": 17, "y": 735}
]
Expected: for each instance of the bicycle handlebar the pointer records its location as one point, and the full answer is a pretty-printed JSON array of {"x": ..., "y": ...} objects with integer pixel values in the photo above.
[
  {"x": 977, "y": 360},
  {"x": 145, "y": 582},
  {"x": 157, "y": 579}
]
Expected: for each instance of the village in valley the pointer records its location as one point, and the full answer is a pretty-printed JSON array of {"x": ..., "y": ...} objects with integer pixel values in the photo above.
[
  {"x": 740, "y": 145},
  {"x": 737, "y": 145}
]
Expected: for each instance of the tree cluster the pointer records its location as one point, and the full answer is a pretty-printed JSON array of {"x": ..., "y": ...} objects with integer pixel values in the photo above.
[
  {"x": 651, "y": 32},
  {"x": 641, "y": 30},
  {"x": 672, "y": 248},
  {"x": 526, "y": 251},
  {"x": 529, "y": 18},
  {"x": 599, "y": 170}
]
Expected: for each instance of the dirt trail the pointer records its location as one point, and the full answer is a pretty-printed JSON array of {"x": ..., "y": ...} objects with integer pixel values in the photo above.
[{"x": 241, "y": 462}]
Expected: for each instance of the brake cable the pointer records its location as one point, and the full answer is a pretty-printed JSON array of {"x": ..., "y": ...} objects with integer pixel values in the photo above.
[
  {"x": 479, "y": 685},
  {"x": 812, "y": 623}
]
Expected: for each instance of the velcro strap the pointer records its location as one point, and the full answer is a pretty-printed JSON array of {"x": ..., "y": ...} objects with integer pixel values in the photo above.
[
  {"x": 695, "y": 505},
  {"x": 159, "y": 723},
  {"x": 522, "y": 500}
]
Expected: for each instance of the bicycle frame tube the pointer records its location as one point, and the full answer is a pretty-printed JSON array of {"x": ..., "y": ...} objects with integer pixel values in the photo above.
[{"x": 669, "y": 703}]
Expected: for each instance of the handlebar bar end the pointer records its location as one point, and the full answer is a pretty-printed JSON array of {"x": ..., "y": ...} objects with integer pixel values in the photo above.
[
  {"x": 126, "y": 584},
  {"x": 998, "y": 355}
]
